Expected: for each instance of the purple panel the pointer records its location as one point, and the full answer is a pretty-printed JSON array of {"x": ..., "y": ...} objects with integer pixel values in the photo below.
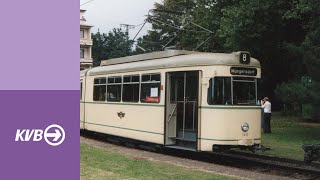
[
  {"x": 40, "y": 45},
  {"x": 37, "y": 110}
]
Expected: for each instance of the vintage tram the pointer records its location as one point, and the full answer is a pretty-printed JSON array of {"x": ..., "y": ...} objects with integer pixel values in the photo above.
[{"x": 178, "y": 99}]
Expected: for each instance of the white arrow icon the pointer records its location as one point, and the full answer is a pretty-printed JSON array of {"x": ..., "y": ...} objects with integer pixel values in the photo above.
[
  {"x": 58, "y": 130},
  {"x": 56, "y": 135}
]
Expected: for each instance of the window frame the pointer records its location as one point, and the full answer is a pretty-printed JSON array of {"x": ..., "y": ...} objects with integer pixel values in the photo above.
[
  {"x": 241, "y": 79},
  {"x": 94, "y": 85},
  {"x": 112, "y": 84},
  {"x": 82, "y": 52},
  {"x": 232, "y": 80},
  {"x": 150, "y": 82},
  {"x": 126, "y": 83},
  {"x": 82, "y": 34}
]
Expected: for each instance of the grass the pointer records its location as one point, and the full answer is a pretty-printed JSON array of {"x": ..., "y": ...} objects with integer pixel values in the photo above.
[
  {"x": 100, "y": 164},
  {"x": 288, "y": 135}
]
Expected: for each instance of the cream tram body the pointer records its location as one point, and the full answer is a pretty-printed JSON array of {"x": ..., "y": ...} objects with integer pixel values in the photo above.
[{"x": 181, "y": 114}]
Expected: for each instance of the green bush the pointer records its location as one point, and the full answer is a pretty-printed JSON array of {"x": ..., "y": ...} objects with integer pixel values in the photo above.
[{"x": 299, "y": 98}]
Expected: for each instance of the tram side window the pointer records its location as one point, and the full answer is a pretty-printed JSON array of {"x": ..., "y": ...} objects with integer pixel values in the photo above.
[
  {"x": 150, "y": 88},
  {"x": 219, "y": 91},
  {"x": 80, "y": 90},
  {"x": 99, "y": 89},
  {"x": 130, "y": 91},
  {"x": 114, "y": 89}
]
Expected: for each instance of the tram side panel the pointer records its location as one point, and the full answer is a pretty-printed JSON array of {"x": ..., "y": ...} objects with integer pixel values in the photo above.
[
  {"x": 222, "y": 126},
  {"x": 137, "y": 121}
]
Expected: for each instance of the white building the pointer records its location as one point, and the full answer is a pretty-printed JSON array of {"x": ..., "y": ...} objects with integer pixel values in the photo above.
[{"x": 85, "y": 43}]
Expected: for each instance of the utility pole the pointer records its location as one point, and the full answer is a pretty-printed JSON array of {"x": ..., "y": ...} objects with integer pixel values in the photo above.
[{"x": 127, "y": 27}]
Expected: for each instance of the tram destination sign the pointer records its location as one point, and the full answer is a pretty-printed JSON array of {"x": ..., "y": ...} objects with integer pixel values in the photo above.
[{"x": 243, "y": 71}]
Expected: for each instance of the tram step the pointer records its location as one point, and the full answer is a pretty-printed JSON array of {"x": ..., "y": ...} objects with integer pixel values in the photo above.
[
  {"x": 181, "y": 147},
  {"x": 187, "y": 135},
  {"x": 184, "y": 139},
  {"x": 187, "y": 144}
]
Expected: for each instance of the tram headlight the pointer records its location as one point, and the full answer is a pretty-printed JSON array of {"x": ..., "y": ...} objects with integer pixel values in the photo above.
[{"x": 245, "y": 127}]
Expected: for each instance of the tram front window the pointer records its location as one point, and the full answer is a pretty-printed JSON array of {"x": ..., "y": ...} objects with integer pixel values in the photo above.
[
  {"x": 219, "y": 91},
  {"x": 244, "y": 91},
  {"x": 232, "y": 90}
]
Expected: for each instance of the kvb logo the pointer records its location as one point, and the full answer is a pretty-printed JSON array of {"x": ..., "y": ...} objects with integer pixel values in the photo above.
[{"x": 54, "y": 135}]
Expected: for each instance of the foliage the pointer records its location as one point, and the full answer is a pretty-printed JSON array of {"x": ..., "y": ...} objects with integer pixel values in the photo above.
[
  {"x": 110, "y": 45},
  {"x": 178, "y": 23},
  {"x": 294, "y": 94},
  {"x": 307, "y": 13}
]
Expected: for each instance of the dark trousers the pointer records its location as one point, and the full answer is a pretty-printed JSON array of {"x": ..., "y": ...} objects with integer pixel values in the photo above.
[
  {"x": 267, "y": 126},
  {"x": 262, "y": 121}
]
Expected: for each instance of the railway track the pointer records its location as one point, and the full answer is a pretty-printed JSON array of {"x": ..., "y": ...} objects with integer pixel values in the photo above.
[
  {"x": 253, "y": 162},
  {"x": 265, "y": 164}
]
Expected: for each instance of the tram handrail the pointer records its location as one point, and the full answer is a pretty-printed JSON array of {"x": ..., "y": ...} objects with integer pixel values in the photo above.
[{"x": 175, "y": 107}]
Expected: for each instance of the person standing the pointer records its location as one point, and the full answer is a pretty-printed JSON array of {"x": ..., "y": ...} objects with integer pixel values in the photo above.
[{"x": 267, "y": 115}]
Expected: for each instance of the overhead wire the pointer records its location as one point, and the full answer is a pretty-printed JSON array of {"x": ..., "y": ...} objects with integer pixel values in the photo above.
[
  {"x": 139, "y": 30},
  {"x": 202, "y": 43},
  {"x": 138, "y": 25},
  {"x": 179, "y": 29},
  {"x": 86, "y": 2}
]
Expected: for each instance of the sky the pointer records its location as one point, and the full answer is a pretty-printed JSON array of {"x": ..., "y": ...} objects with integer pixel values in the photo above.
[{"x": 108, "y": 14}]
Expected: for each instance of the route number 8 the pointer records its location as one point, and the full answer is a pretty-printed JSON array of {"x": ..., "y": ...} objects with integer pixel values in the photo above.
[{"x": 244, "y": 57}]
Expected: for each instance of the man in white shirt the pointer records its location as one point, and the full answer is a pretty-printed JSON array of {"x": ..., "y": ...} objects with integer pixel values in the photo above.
[{"x": 266, "y": 106}]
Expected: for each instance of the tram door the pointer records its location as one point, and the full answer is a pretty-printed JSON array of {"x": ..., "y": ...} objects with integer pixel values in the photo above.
[{"x": 182, "y": 109}]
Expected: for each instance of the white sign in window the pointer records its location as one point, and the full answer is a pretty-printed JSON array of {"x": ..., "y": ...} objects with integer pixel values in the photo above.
[{"x": 154, "y": 92}]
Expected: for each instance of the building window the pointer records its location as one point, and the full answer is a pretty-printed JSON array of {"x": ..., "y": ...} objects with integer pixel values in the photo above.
[
  {"x": 82, "y": 34},
  {"x": 130, "y": 91},
  {"x": 99, "y": 89},
  {"x": 150, "y": 88},
  {"x": 81, "y": 53},
  {"x": 114, "y": 89}
]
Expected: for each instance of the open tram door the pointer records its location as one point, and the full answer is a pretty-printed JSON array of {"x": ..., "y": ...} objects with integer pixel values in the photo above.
[{"x": 182, "y": 100}]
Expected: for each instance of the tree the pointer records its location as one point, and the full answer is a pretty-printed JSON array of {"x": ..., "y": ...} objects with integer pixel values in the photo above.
[
  {"x": 98, "y": 48},
  {"x": 307, "y": 12},
  {"x": 295, "y": 94},
  {"x": 114, "y": 44},
  {"x": 176, "y": 23}
]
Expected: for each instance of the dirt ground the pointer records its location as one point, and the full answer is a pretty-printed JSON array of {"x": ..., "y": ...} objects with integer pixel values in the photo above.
[{"x": 186, "y": 163}]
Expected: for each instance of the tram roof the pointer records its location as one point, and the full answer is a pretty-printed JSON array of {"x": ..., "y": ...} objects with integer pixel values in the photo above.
[
  {"x": 168, "y": 59},
  {"x": 83, "y": 72},
  {"x": 147, "y": 56}
]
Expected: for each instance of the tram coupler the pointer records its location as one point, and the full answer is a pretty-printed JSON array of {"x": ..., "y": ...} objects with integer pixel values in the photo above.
[{"x": 311, "y": 152}]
